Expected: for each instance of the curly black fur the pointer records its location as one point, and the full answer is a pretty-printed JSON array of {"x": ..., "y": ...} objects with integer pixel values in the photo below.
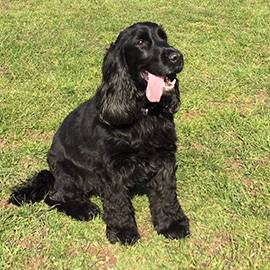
[{"x": 116, "y": 140}]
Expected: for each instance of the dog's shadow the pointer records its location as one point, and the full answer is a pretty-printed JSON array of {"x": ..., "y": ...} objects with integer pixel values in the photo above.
[{"x": 139, "y": 190}]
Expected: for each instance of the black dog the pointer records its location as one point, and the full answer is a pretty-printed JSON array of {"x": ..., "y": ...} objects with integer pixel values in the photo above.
[{"x": 121, "y": 137}]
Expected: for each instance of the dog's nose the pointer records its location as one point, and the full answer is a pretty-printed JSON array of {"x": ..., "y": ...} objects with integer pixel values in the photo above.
[{"x": 175, "y": 57}]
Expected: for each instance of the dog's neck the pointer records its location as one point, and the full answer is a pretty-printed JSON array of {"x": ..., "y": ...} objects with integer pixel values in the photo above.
[
  {"x": 150, "y": 109},
  {"x": 144, "y": 111}
]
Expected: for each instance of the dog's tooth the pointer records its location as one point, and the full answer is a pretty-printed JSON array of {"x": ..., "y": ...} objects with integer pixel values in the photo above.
[{"x": 168, "y": 85}]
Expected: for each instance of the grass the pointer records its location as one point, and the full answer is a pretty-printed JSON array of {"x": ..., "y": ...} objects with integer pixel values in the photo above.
[{"x": 50, "y": 61}]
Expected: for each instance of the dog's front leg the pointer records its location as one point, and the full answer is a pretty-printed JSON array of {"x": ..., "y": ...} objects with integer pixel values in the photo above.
[
  {"x": 167, "y": 215},
  {"x": 119, "y": 214}
]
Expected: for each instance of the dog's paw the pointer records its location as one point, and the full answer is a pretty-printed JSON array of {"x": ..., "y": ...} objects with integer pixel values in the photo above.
[
  {"x": 176, "y": 230},
  {"x": 83, "y": 211},
  {"x": 126, "y": 236}
]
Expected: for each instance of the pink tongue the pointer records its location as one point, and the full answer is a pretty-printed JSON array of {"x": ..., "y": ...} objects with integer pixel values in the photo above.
[{"x": 155, "y": 88}]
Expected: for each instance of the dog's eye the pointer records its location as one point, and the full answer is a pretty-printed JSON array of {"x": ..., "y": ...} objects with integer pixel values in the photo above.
[{"x": 142, "y": 43}]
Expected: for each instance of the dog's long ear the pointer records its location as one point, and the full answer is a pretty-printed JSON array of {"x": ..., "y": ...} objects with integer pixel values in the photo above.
[
  {"x": 170, "y": 101},
  {"x": 116, "y": 98}
]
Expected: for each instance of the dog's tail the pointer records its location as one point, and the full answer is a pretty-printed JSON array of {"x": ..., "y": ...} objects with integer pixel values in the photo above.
[{"x": 33, "y": 190}]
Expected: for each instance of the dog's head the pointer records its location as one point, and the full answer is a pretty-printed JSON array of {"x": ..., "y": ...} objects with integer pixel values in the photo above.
[{"x": 139, "y": 70}]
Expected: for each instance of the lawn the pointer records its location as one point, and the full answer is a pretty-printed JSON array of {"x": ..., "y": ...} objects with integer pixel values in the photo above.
[{"x": 50, "y": 61}]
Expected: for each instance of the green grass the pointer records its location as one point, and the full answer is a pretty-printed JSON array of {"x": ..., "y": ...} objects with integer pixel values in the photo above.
[{"x": 50, "y": 61}]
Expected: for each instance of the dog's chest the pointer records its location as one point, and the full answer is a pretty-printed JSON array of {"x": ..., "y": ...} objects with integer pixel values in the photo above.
[
  {"x": 152, "y": 134},
  {"x": 141, "y": 150}
]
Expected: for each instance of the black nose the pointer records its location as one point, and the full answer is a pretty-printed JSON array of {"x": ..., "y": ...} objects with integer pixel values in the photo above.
[{"x": 175, "y": 57}]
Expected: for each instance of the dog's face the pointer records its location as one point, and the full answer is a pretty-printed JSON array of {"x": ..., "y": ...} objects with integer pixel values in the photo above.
[
  {"x": 147, "y": 52},
  {"x": 138, "y": 68}
]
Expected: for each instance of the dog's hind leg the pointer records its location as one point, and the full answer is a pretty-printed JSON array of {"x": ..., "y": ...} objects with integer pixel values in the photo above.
[
  {"x": 80, "y": 210},
  {"x": 70, "y": 193}
]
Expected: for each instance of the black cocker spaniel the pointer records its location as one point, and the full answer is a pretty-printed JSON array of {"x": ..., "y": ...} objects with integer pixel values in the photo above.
[{"x": 121, "y": 137}]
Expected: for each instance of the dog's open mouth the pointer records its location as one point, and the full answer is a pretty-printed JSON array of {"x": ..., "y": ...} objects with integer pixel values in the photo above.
[{"x": 157, "y": 85}]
